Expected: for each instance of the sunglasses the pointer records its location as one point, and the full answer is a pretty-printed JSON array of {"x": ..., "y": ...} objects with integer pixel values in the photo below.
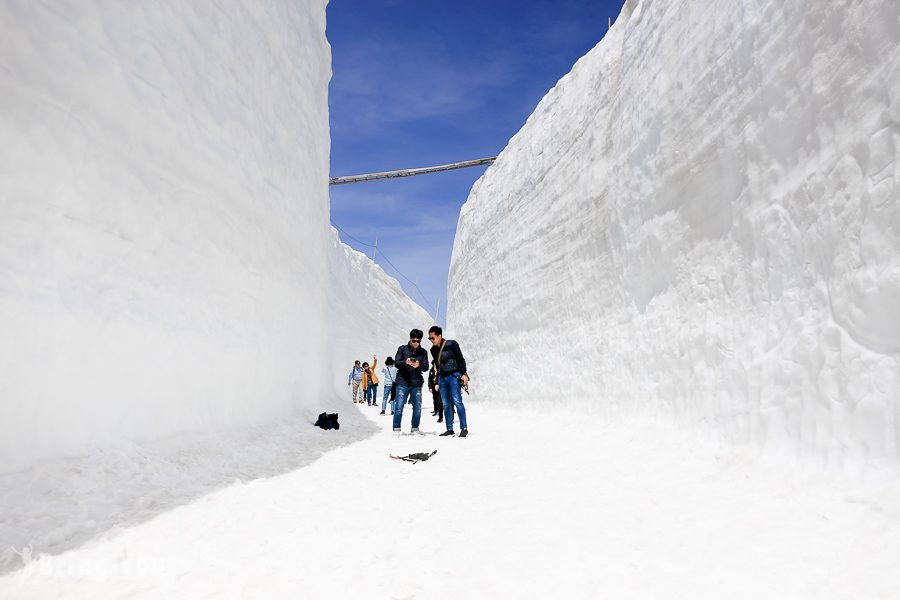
[
  {"x": 432, "y": 338},
  {"x": 415, "y": 341}
]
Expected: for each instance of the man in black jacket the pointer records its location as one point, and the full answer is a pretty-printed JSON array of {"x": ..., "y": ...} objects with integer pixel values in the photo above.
[
  {"x": 451, "y": 367},
  {"x": 411, "y": 361}
]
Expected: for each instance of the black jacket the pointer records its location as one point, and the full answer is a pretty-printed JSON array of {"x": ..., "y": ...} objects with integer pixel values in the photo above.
[
  {"x": 432, "y": 381},
  {"x": 406, "y": 375},
  {"x": 452, "y": 360}
]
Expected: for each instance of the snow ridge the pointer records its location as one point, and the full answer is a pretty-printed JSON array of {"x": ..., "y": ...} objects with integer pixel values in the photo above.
[
  {"x": 702, "y": 219},
  {"x": 167, "y": 263}
]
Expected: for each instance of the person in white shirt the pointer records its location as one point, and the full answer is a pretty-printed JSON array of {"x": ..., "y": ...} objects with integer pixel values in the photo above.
[{"x": 390, "y": 374}]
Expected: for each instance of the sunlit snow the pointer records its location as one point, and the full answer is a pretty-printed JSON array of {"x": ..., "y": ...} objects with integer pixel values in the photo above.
[
  {"x": 678, "y": 290},
  {"x": 702, "y": 219}
]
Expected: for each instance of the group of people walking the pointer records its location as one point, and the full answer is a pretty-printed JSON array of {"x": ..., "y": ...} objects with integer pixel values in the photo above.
[
  {"x": 403, "y": 381},
  {"x": 364, "y": 382}
]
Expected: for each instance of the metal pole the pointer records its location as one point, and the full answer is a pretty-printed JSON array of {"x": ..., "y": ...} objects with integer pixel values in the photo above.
[
  {"x": 410, "y": 172},
  {"x": 375, "y": 251},
  {"x": 437, "y": 310}
]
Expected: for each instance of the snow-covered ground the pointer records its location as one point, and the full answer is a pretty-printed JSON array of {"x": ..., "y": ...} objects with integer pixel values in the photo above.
[
  {"x": 61, "y": 504},
  {"x": 698, "y": 226},
  {"x": 702, "y": 219},
  {"x": 534, "y": 504}
]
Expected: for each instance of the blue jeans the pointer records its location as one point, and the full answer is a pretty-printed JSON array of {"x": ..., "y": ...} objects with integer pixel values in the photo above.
[
  {"x": 372, "y": 393},
  {"x": 387, "y": 395},
  {"x": 450, "y": 395},
  {"x": 415, "y": 397}
]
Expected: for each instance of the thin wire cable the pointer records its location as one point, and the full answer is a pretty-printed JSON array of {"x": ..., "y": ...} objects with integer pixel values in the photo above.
[
  {"x": 384, "y": 256},
  {"x": 339, "y": 228}
]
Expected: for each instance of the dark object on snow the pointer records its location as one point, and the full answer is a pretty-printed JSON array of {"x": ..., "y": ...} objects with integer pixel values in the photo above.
[
  {"x": 415, "y": 457},
  {"x": 326, "y": 421}
]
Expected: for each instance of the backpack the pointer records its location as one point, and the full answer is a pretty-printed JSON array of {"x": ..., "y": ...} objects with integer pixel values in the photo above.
[{"x": 328, "y": 421}]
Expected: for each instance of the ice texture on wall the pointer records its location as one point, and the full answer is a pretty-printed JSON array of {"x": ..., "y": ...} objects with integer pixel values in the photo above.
[
  {"x": 165, "y": 251},
  {"x": 369, "y": 314},
  {"x": 702, "y": 219}
]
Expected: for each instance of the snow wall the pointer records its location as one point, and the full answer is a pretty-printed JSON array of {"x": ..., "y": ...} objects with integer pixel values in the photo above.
[
  {"x": 166, "y": 260},
  {"x": 702, "y": 220}
]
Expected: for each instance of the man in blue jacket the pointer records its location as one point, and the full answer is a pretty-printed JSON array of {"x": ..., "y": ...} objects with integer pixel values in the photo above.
[
  {"x": 411, "y": 361},
  {"x": 451, "y": 368}
]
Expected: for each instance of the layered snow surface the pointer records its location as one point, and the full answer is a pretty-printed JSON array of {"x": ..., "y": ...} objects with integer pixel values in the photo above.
[
  {"x": 700, "y": 225},
  {"x": 170, "y": 286},
  {"x": 702, "y": 220}
]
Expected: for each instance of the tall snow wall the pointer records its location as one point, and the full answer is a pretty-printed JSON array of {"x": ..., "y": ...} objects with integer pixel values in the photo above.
[
  {"x": 166, "y": 257},
  {"x": 702, "y": 219}
]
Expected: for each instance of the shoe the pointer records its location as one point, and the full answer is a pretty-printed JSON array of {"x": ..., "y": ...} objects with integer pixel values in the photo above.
[
  {"x": 448, "y": 432},
  {"x": 434, "y": 414},
  {"x": 440, "y": 419},
  {"x": 396, "y": 430},
  {"x": 382, "y": 412},
  {"x": 464, "y": 433},
  {"x": 414, "y": 430}
]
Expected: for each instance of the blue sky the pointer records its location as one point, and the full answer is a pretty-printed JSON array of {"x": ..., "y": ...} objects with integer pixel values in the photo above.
[{"x": 421, "y": 83}]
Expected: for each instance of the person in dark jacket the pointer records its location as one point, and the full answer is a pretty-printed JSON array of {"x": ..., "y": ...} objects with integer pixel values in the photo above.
[
  {"x": 411, "y": 361},
  {"x": 451, "y": 367},
  {"x": 435, "y": 394}
]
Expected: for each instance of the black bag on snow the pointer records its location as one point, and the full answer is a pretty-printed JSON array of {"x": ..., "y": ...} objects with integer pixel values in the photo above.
[{"x": 328, "y": 421}]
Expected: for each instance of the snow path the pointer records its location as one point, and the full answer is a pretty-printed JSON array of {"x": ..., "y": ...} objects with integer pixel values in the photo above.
[{"x": 528, "y": 506}]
